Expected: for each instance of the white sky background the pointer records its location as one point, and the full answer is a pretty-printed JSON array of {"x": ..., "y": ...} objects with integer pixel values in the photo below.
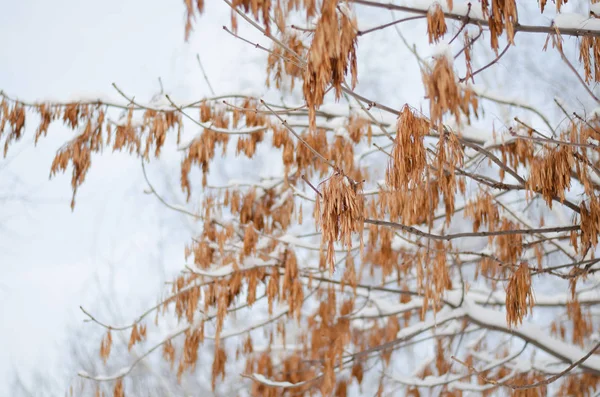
[{"x": 53, "y": 260}]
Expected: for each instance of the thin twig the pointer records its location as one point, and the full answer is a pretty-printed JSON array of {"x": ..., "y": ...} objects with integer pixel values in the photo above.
[
  {"x": 455, "y": 236},
  {"x": 570, "y": 65},
  {"x": 494, "y": 61},
  {"x": 311, "y": 185},
  {"x": 368, "y": 112},
  {"x": 204, "y": 74},
  {"x": 517, "y": 27},
  {"x": 263, "y": 31},
  {"x": 285, "y": 123},
  {"x": 301, "y": 29},
  {"x": 470, "y": 43},
  {"x": 465, "y": 22},
  {"x": 387, "y": 25},
  {"x": 260, "y": 47},
  {"x": 544, "y": 382}
]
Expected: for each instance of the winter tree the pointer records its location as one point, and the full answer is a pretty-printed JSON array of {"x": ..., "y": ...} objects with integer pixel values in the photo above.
[{"x": 425, "y": 229}]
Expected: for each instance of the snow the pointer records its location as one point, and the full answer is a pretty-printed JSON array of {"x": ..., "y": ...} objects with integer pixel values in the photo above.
[
  {"x": 576, "y": 21},
  {"x": 462, "y": 8},
  {"x": 263, "y": 243},
  {"x": 344, "y": 9},
  {"x": 250, "y": 262},
  {"x": 442, "y": 317},
  {"x": 443, "y": 49},
  {"x": 343, "y": 133},
  {"x": 335, "y": 109},
  {"x": 88, "y": 97},
  {"x": 398, "y": 243},
  {"x": 282, "y": 200},
  {"x": 383, "y": 307},
  {"x": 75, "y": 97},
  {"x": 209, "y": 126},
  {"x": 532, "y": 333},
  {"x": 273, "y": 347},
  {"x": 594, "y": 113},
  {"x": 300, "y": 193},
  {"x": 483, "y": 136},
  {"x": 569, "y": 20},
  {"x": 264, "y": 380},
  {"x": 291, "y": 239},
  {"x": 103, "y": 378},
  {"x": 595, "y": 8},
  {"x": 459, "y": 8},
  {"x": 431, "y": 381},
  {"x": 522, "y": 366},
  {"x": 490, "y": 94},
  {"x": 238, "y": 131},
  {"x": 362, "y": 325},
  {"x": 235, "y": 183}
]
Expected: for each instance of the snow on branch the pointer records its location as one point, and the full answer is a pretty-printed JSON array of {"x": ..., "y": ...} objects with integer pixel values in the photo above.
[
  {"x": 568, "y": 25},
  {"x": 272, "y": 383},
  {"x": 531, "y": 333}
]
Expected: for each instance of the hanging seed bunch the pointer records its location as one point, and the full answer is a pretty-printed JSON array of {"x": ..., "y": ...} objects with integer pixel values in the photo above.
[
  {"x": 436, "y": 23},
  {"x": 445, "y": 95},
  {"x": 331, "y": 56},
  {"x": 519, "y": 295},
  {"x": 340, "y": 213},
  {"x": 408, "y": 160}
]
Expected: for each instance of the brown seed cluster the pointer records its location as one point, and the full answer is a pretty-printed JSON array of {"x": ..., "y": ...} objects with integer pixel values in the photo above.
[
  {"x": 509, "y": 247},
  {"x": 339, "y": 213},
  {"x": 590, "y": 223},
  {"x": 379, "y": 252},
  {"x": 529, "y": 378},
  {"x": 484, "y": 212},
  {"x": 306, "y": 160},
  {"x": 15, "y": 117},
  {"x": 589, "y": 52},
  {"x": 468, "y": 48},
  {"x": 106, "y": 346},
  {"x": 436, "y": 23},
  {"x": 550, "y": 174},
  {"x": 579, "y": 385},
  {"x": 331, "y": 56},
  {"x": 515, "y": 153},
  {"x": 282, "y": 64},
  {"x": 502, "y": 16},
  {"x": 444, "y": 93},
  {"x": 138, "y": 334},
  {"x": 519, "y": 295},
  {"x": 119, "y": 390},
  {"x": 94, "y": 132},
  {"x": 259, "y": 9},
  {"x": 582, "y": 321},
  {"x": 191, "y": 8},
  {"x": 408, "y": 160},
  {"x": 202, "y": 149}
]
